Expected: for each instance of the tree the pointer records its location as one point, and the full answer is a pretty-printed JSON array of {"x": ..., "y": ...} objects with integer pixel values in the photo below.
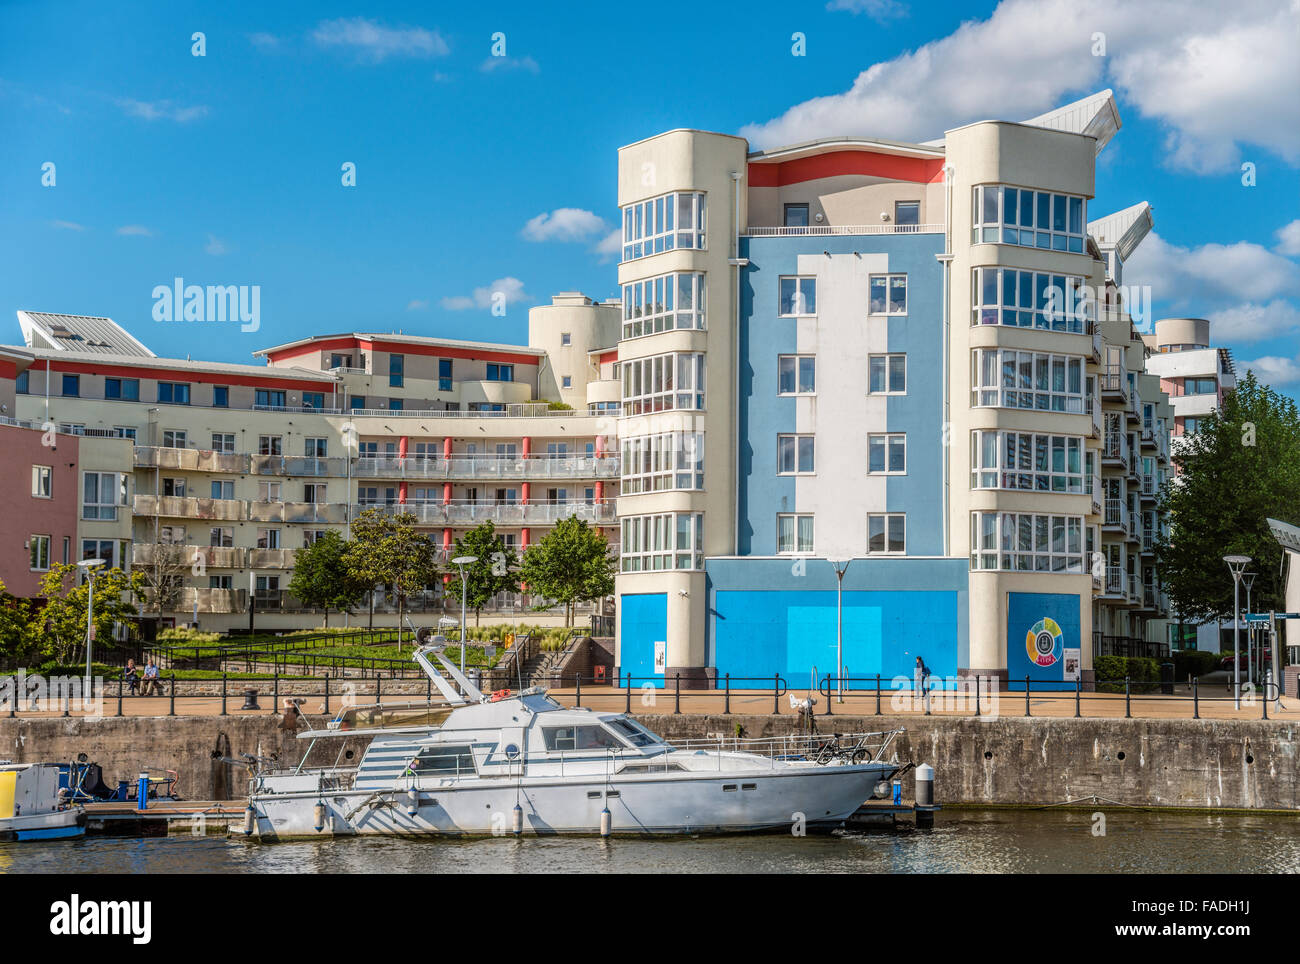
[
  {"x": 1241, "y": 467},
  {"x": 18, "y": 637},
  {"x": 63, "y": 617},
  {"x": 570, "y": 564},
  {"x": 321, "y": 578},
  {"x": 387, "y": 549},
  {"x": 494, "y": 572},
  {"x": 164, "y": 577}
]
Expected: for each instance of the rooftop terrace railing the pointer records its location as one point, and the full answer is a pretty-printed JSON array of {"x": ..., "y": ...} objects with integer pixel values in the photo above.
[{"x": 822, "y": 230}]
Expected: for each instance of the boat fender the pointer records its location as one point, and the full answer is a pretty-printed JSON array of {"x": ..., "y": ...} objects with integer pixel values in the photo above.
[
  {"x": 320, "y": 815},
  {"x": 250, "y": 820},
  {"x": 517, "y": 820},
  {"x": 606, "y": 822},
  {"x": 412, "y": 801}
]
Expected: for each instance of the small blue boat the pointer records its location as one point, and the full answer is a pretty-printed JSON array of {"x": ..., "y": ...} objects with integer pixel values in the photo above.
[{"x": 32, "y": 806}]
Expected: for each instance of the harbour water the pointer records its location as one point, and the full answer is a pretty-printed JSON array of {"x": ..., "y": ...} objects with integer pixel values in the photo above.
[{"x": 963, "y": 841}]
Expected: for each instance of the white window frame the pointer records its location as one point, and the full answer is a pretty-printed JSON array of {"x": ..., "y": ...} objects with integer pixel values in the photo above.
[
  {"x": 661, "y": 383},
  {"x": 1026, "y": 542},
  {"x": 888, "y": 440},
  {"x": 795, "y": 520},
  {"x": 797, "y": 441},
  {"x": 797, "y": 373},
  {"x": 1054, "y": 301},
  {"x": 665, "y": 222},
  {"x": 658, "y": 463},
  {"x": 662, "y": 542},
  {"x": 1022, "y": 232},
  {"x": 798, "y": 297},
  {"x": 887, "y": 359},
  {"x": 1026, "y": 475},
  {"x": 664, "y": 303},
  {"x": 42, "y": 482},
  {"x": 995, "y": 394},
  {"x": 889, "y": 279},
  {"x": 887, "y": 518},
  {"x": 221, "y": 446},
  {"x": 103, "y": 511},
  {"x": 34, "y": 555}
]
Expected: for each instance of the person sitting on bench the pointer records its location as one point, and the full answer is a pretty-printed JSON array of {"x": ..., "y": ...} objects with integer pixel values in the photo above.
[
  {"x": 151, "y": 679},
  {"x": 131, "y": 677}
]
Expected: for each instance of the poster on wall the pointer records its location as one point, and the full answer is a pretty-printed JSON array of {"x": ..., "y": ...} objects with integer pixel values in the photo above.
[
  {"x": 1073, "y": 665},
  {"x": 1042, "y": 636},
  {"x": 661, "y": 657}
]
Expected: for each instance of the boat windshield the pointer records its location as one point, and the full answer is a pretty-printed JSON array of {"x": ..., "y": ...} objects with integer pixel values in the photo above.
[
  {"x": 371, "y": 717},
  {"x": 587, "y": 737},
  {"x": 632, "y": 732}
]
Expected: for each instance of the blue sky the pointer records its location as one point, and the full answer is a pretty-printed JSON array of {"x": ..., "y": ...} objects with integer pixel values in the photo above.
[{"x": 477, "y": 173}]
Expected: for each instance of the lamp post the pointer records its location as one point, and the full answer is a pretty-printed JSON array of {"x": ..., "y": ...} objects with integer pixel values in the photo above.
[
  {"x": 1236, "y": 565},
  {"x": 89, "y": 566},
  {"x": 840, "y": 568},
  {"x": 461, "y": 562},
  {"x": 1248, "y": 580}
]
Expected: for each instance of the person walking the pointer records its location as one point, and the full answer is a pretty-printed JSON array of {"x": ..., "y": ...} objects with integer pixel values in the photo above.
[{"x": 923, "y": 683}]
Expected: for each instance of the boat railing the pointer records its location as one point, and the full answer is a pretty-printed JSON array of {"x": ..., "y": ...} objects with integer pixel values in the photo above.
[{"x": 815, "y": 747}]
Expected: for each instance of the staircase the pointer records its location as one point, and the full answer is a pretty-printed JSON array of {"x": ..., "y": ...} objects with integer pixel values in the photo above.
[{"x": 539, "y": 669}]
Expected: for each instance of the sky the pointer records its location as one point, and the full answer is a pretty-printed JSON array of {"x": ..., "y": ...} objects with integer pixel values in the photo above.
[{"x": 483, "y": 141}]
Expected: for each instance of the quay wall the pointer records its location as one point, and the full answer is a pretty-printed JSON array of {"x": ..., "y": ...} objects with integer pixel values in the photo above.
[{"x": 1214, "y": 764}]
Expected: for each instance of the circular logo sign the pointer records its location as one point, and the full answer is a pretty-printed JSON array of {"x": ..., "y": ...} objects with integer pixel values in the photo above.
[{"x": 1043, "y": 642}]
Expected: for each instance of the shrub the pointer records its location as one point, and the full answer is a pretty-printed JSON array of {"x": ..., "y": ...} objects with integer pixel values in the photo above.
[
  {"x": 187, "y": 636},
  {"x": 1194, "y": 663},
  {"x": 1143, "y": 673}
]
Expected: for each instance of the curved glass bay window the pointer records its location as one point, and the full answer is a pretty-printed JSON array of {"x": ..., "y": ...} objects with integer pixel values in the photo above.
[
  {"x": 1026, "y": 542},
  {"x": 1006, "y": 378},
  {"x": 654, "y": 463},
  {"x": 1031, "y": 299},
  {"x": 662, "y": 224},
  {"x": 662, "y": 383},
  {"x": 1027, "y": 461},
  {"x": 663, "y": 303},
  {"x": 1030, "y": 219},
  {"x": 665, "y": 540}
]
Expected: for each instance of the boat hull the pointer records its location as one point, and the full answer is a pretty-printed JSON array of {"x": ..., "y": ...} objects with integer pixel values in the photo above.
[
  {"x": 793, "y": 800},
  {"x": 55, "y": 825}
]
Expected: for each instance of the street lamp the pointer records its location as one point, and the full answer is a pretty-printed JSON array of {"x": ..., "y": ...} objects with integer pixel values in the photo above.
[
  {"x": 1248, "y": 580},
  {"x": 89, "y": 566},
  {"x": 840, "y": 568},
  {"x": 1236, "y": 565},
  {"x": 462, "y": 562}
]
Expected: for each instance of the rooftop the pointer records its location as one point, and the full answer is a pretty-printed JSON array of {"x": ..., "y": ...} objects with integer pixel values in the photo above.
[{"x": 79, "y": 334}]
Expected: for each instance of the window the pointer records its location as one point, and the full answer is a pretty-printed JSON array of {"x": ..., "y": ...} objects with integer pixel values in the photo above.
[
  {"x": 315, "y": 400},
  {"x": 101, "y": 549},
  {"x": 221, "y": 537},
  {"x": 579, "y": 738},
  {"x": 907, "y": 214},
  {"x": 310, "y": 536},
  {"x": 223, "y": 442},
  {"x": 566, "y": 382},
  {"x": 125, "y": 431},
  {"x": 42, "y": 479},
  {"x": 887, "y": 454},
  {"x": 72, "y": 428},
  {"x": 221, "y": 582},
  {"x": 664, "y": 382},
  {"x": 794, "y": 534},
  {"x": 887, "y": 374},
  {"x": 174, "y": 393},
  {"x": 268, "y": 491},
  {"x": 666, "y": 540},
  {"x": 396, "y": 370},
  {"x": 887, "y": 294},
  {"x": 886, "y": 532},
  {"x": 1003, "y": 378},
  {"x": 220, "y": 396},
  {"x": 101, "y": 494},
  {"x": 127, "y": 389},
  {"x": 394, "y": 404},
  {"x": 173, "y": 488},
  {"x": 664, "y": 303},
  {"x": 268, "y": 539},
  {"x": 23, "y": 383},
  {"x": 340, "y": 361},
  {"x": 171, "y": 535},
  {"x": 662, "y": 224},
  {"x": 1200, "y": 386},
  {"x": 71, "y": 386},
  {"x": 174, "y": 439},
  {"x": 1031, "y": 299},
  {"x": 315, "y": 447},
  {"x": 500, "y": 373},
  {"x": 444, "y": 374},
  {"x": 444, "y": 758},
  {"x": 654, "y": 463},
  {"x": 269, "y": 445},
  {"x": 1032, "y": 219},
  {"x": 313, "y": 493},
  {"x": 223, "y": 488},
  {"x": 268, "y": 398},
  {"x": 1191, "y": 424},
  {"x": 796, "y": 215},
  {"x": 1028, "y": 462},
  {"x": 796, "y": 374},
  {"x": 40, "y": 553},
  {"x": 798, "y": 297},
  {"x": 794, "y": 454},
  {"x": 1025, "y": 542},
  {"x": 357, "y": 402},
  {"x": 566, "y": 339}
]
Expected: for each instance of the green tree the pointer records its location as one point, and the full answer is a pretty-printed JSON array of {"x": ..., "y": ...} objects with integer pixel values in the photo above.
[
  {"x": 63, "y": 617},
  {"x": 18, "y": 637},
  {"x": 571, "y": 564},
  {"x": 1241, "y": 467},
  {"x": 321, "y": 578},
  {"x": 494, "y": 572},
  {"x": 388, "y": 550}
]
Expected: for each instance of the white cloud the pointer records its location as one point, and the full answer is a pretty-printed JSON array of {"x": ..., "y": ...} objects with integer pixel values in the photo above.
[
  {"x": 68, "y": 225},
  {"x": 610, "y": 246},
  {"x": 1217, "y": 273},
  {"x": 1215, "y": 81},
  {"x": 215, "y": 246},
  {"x": 510, "y": 63},
  {"x": 160, "y": 110},
  {"x": 265, "y": 41},
  {"x": 875, "y": 9},
  {"x": 507, "y": 290},
  {"x": 564, "y": 224},
  {"x": 134, "y": 231},
  {"x": 416, "y": 304},
  {"x": 1253, "y": 322},
  {"x": 1273, "y": 370},
  {"x": 1288, "y": 239},
  {"x": 375, "y": 42}
]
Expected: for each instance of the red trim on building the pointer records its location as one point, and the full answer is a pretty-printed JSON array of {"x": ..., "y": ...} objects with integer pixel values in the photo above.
[
  {"x": 270, "y": 380},
  {"x": 608, "y": 356},
  {"x": 402, "y": 348},
  {"x": 922, "y": 170}
]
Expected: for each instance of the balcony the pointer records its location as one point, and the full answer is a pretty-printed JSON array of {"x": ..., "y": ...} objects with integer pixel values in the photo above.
[
  {"x": 486, "y": 467},
  {"x": 213, "y": 600},
  {"x": 310, "y": 512},
  {"x": 1116, "y": 583},
  {"x": 507, "y": 410},
  {"x": 824, "y": 230},
  {"x": 1134, "y": 410},
  {"x": 499, "y": 513},
  {"x": 190, "y": 460},
  {"x": 1114, "y": 450},
  {"x": 211, "y": 557},
  {"x": 1150, "y": 490},
  {"x": 1098, "y": 494},
  {"x": 1116, "y": 518},
  {"x": 271, "y": 558},
  {"x": 1114, "y": 385},
  {"x": 184, "y": 507}
]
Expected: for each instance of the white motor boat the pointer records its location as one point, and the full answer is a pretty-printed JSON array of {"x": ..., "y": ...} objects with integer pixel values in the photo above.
[
  {"x": 524, "y": 764},
  {"x": 32, "y": 807}
]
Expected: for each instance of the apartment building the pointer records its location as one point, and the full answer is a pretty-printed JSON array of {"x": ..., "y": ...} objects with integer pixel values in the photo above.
[
  {"x": 905, "y": 371},
  {"x": 231, "y": 469}
]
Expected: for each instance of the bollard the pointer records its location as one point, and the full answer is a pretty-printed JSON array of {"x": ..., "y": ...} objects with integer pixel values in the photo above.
[
  {"x": 275, "y": 693},
  {"x": 977, "y": 694},
  {"x": 629, "y": 693},
  {"x": 1128, "y": 705},
  {"x": 1026, "y": 696},
  {"x": 776, "y": 696},
  {"x": 250, "y": 700},
  {"x": 171, "y": 701},
  {"x": 1078, "y": 692},
  {"x": 677, "y": 693},
  {"x": 829, "y": 701},
  {"x": 119, "y": 696},
  {"x": 726, "y": 695},
  {"x": 923, "y": 805},
  {"x": 327, "y": 692},
  {"x": 877, "y": 694},
  {"x": 223, "y": 695},
  {"x": 577, "y": 686},
  {"x": 142, "y": 792},
  {"x": 428, "y": 689},
  {"x": 379, "y": 689},
  {"x": 1263, "y": 703},
  {"x": 66, "y": 711},
  {"x": 1196, "y": 701}
]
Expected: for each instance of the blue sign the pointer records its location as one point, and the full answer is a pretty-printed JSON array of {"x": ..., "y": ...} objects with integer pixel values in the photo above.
[{"x": 1040, "y": 627}]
